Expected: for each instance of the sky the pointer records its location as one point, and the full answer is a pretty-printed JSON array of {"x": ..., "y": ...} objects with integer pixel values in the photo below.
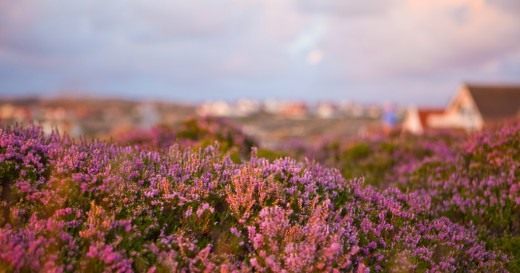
[{"x": 403, "y": 51}]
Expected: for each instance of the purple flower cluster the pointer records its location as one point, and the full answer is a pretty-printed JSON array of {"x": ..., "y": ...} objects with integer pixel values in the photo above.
[
  {"x": 474, "y": 180},
  {"x": 480, "y": 186},
  {"x": 95, "y": 207}
]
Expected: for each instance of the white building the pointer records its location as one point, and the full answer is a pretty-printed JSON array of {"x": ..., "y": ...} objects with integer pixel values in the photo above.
[
  {"x": 474, "y": 106},
  {"x": 471, "y": 109},
  {"x": 326, "y": 110},
  {"x": 216, "y": 108}
]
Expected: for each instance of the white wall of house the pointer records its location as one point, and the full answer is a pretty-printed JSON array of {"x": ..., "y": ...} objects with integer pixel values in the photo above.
[
  {"x": 412, "y": 122},
  {"x": 462, "y": 113}
]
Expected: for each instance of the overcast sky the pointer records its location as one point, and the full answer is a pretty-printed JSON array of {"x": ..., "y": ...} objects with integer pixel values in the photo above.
[{"x": 406, "y": 51}]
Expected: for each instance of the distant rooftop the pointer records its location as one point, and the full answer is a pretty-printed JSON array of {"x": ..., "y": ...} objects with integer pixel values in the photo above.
[{"x": 496, "y": 101}]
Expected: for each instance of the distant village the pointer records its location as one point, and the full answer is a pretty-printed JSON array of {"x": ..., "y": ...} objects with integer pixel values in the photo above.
[
  {"x": 73, "y": 115},
  {"x": 472, "y": 108},
  {"x": 289, "y": 109}
]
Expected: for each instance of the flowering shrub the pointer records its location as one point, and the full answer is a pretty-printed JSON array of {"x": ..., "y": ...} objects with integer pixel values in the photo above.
[
  {"x": 473, "y": 180},
  {"x": 191, "y": 132},
  {"x": 480, "y": 186},
  {"x": 382, "y": 161},
  {"x": 96, "y": 207}
]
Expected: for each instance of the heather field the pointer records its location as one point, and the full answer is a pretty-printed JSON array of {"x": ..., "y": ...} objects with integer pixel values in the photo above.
[
  {"x": 202, "y": 198},
  {"x": 271, "y": 136}
]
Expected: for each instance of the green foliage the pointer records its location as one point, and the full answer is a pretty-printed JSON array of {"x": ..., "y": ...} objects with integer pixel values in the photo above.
[
  {"x": 269, "y": 154},
  {"x": 362, "y": 160}
]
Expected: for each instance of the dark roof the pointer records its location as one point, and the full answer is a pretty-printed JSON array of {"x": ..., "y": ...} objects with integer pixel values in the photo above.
[{"x": 495, "y": 101}]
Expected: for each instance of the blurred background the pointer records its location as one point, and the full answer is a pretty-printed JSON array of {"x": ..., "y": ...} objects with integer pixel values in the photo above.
[{"x": 279, "y": 69}]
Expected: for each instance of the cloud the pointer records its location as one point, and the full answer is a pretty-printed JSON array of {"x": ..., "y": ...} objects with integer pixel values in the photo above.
[
  {"x": 346, "y": 8},
  {"x": 420, "y": 37},
  {"x": 390, "y": 49},
  {"x": 507, "y": 5},
  {"x": 315, "y": 57}
]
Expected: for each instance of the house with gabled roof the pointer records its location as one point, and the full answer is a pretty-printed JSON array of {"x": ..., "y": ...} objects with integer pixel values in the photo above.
[{"x": 475, "y": 106}]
